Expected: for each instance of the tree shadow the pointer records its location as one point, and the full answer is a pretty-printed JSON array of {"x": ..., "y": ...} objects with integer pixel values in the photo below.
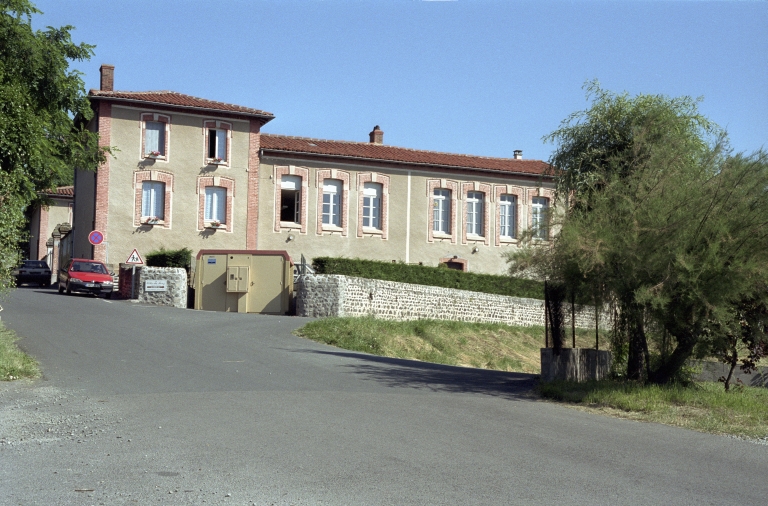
[{"x": 413, "y": 374}]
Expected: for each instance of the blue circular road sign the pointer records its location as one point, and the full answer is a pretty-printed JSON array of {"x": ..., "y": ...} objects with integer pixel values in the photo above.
[{"x": 96, "y": 237}]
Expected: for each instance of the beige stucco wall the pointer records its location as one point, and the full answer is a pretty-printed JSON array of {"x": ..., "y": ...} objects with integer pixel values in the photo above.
[
  {"x": 408, "y": 227},
  {"x": 186, "y": 162}
]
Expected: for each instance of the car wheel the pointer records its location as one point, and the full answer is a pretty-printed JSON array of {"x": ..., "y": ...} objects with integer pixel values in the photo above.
[
  {"x": 108, "y": 295},
  {"x": 69, "y": 289},
  {"x": 61, "y": 288}
]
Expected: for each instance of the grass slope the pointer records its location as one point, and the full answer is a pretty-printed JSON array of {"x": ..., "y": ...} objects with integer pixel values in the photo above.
[{"x": 14, "y": 363}]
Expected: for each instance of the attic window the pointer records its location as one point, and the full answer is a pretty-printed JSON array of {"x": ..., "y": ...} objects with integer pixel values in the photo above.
[{"x": 312, "y": 144}]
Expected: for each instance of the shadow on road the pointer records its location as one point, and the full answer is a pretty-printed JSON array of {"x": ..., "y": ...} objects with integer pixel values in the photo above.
[{"x": 401, "y": 373}]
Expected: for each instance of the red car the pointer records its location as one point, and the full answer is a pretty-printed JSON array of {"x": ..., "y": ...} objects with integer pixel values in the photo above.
[{"x": 82, "y": 275}]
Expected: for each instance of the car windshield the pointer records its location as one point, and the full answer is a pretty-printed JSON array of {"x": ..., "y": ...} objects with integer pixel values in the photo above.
[
  {"x": 35, "y": 264},
  {"x": 89, "y": 267}
]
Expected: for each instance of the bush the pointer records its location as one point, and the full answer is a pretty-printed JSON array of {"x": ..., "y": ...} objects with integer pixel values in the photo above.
[
  {"x": 431, "y": 276},
  {"x": 171, "y": 258}
]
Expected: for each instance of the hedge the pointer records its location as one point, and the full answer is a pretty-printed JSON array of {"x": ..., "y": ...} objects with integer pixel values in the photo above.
[
  {"x": 170, "y": 258},
  {"x": 431, "y": 276}
]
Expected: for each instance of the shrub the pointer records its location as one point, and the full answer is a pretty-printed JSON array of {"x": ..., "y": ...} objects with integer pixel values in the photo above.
[
  {"x": 171, "y": 258},
  {"x": 431, "y": 276}
]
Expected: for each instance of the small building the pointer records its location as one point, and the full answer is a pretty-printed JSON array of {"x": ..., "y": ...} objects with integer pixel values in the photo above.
[
  {"x": 195, "y": 173},
  {"x": 54, "y": 209}
]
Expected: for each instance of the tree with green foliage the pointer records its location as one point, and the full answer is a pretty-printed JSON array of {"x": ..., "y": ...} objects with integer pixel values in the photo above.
[
  {"x": 660, "y": 220},
  {"x": 43, "y": 107}
]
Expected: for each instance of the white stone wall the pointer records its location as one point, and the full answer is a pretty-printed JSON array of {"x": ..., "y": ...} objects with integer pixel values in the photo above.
[
  {"x": 176, "y": 292},
  {"x": 319, "y": 295}
]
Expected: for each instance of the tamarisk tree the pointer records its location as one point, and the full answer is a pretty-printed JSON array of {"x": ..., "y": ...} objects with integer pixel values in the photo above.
[{"x": 658, "y": 217}]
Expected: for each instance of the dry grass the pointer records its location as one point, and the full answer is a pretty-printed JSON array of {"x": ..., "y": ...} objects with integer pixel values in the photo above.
[
  {"x": 14, "y": 363},
  {"x": 481, "y": 345}
]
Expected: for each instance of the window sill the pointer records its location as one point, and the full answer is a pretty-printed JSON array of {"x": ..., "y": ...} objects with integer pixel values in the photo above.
[
  {"x": 291, "y": 225},
  {"x": 161, "y": 158},
  {"x": 332, "y": 229},
  {"x": 152, "y": 222},
  {"x": 372, "y": 231},
  {"x": 216, "y": 227},
  {"x": 441, "y": 235},
  {"x": 475, "y": 238},
  {"x": 507, "y": 240},
  {"x": 212, "y": 162}
]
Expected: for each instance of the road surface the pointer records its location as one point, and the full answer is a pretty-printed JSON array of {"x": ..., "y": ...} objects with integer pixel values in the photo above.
[{"x": 152, "y": 405}]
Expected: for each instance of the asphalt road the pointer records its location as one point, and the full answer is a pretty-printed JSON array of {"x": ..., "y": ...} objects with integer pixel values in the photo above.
[{"x": 152, "y": 405}]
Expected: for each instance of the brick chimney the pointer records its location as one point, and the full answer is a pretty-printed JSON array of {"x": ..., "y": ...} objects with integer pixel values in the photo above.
[
  {"x": 107, "y": 77},
  {"x": 377, "y": 135},
  {"x": 518, "y": 154}
]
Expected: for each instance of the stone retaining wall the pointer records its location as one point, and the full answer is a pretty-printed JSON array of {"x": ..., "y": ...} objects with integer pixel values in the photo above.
[
  {"x": 321, "y": 295},
  {"x": 176, "y": 286}
]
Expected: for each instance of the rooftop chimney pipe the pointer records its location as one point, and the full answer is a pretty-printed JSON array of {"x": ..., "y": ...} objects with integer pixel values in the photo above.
[
  {"x": 518, "y": 154},
  {"x": 107, "y": 77},
  {"x": 377, "y": 135}
]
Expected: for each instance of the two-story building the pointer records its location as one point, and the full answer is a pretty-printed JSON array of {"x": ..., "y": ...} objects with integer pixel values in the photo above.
[{"x": 190, "y": 172}]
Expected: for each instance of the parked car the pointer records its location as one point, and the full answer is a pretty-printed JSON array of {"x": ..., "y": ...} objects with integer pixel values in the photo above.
[
  {"x": 82, "y": 275},
  {"x": 32, "y": 271}
]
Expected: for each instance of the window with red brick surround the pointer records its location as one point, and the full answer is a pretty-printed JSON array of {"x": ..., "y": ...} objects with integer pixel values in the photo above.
[
  {"x": 152, "y": 175},
  {"x": 303, "y": 198},
  {"x": 453, "y": 188},
  {"x": 155, "y": 152},
  {"x": 342, "y": 176},
  {"x": 221, "y": 182},
  {"x": 383, "y": 182},
  {"x": 484, "y": 189},
  {"x": 218, "y": 142},
  {"x": 518, "y": 193},
  {"x": 545, "y": 193}
]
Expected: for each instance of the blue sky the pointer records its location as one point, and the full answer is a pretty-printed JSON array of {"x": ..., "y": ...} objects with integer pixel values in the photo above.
[{"x": 477, "y": 77}]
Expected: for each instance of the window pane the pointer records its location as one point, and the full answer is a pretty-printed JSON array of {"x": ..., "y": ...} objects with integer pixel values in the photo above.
[
  {"x": 153, "y": 199},
  {"x": 154, "y": 137},
  {"x": 539, "y": 217},
  {"x": 215, "y": 204},
  {"x": 507, "y": 210},
  {"x": 372, "y": 205},
  {"x": 442, "y": 211},
  {"x": 475, "y": 213},
  {"x": 221, "y": 144},
  {"x": 332, "y": 202},
  {"x": 211, "y": 143}
]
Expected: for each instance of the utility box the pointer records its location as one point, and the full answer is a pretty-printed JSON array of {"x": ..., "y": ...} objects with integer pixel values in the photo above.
[{"x": 244, "y": 281}]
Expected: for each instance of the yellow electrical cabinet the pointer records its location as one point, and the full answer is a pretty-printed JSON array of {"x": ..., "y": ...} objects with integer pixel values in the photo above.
[{"x": 244, "y": 281}]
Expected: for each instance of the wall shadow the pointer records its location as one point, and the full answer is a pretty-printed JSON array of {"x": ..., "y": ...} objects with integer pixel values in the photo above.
[{"x": 401, "y": 373}]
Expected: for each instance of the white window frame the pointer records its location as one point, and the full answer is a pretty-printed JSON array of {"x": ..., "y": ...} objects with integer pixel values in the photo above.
[
  {"x": 152, "y": 200},
  {"x": 441, "y": 211},
  {"x": 215, "y": 205},
  {"x": 475, "y": 203},
  {"x": 539, "y": 225},
  {"x": 332, "y": 198},
  {"x": 508, "y": 216},
  {"x": 372, "y": 199}
]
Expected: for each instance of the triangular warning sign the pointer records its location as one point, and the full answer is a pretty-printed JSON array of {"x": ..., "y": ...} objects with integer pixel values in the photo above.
[{"x": 135, "y": 258}]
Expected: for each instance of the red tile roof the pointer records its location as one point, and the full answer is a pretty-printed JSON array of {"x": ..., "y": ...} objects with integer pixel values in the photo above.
[
  {"x": 174, "y": 99},
  {"x": 61, "y": 191},
  {"x": 381, "y": 152}
]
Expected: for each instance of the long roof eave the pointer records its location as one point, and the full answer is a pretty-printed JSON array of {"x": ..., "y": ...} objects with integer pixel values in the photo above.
[{"x": 399, "y": 162}]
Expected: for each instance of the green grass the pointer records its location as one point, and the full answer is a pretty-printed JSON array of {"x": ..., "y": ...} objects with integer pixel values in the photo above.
[
  {"x": 482, "y": 345},
  {"x": 14, "y": 363},
  {"x": 705, "y": 407}
]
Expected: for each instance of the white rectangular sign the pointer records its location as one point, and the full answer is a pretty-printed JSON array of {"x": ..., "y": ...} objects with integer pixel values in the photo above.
[{"x": 156, "y": 285}]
